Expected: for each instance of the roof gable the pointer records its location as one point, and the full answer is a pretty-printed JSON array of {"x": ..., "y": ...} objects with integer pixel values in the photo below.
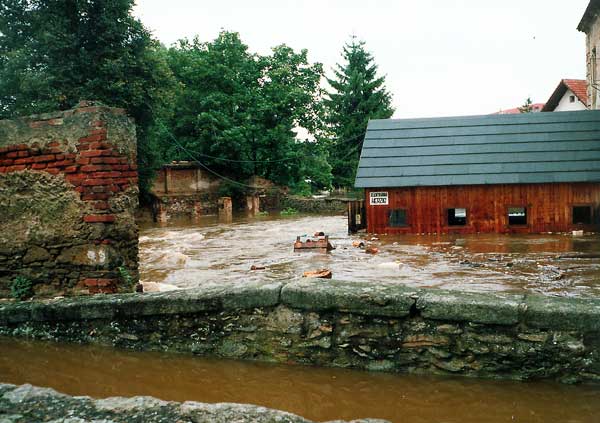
[
  {"x": 578, "y": 86},
  {"x": 488, "y": 149}
]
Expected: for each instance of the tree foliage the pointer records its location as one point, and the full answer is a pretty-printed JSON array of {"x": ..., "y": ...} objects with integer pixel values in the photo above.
[
  {"x": 236, "y": 111},
  {"x": 527, "y": 107},
  {"x": 357, "y": 95},
  {"x": 54, "y": 53}
]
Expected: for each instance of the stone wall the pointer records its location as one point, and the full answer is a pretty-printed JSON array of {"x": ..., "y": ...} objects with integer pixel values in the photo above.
[
  {"x": 313, "y": 205},
  {"x": 68, "y": 191},
  {"x": 384, "y": 327}
]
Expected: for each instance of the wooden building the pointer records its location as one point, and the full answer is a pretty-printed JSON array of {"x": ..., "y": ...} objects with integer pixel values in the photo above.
[{"x": 527, "y": 173}]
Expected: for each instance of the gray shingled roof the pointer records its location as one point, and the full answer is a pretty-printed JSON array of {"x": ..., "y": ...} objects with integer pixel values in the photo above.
[{"x": 474, "y": 150}]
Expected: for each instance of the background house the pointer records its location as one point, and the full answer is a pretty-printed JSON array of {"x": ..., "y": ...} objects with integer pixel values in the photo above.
[
  {"x": 569, "y": 95},
  {"x": 533, "y": 172}
]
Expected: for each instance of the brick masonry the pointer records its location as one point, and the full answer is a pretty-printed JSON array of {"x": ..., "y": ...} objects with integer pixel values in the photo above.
[{"x": 68, "y": 190}]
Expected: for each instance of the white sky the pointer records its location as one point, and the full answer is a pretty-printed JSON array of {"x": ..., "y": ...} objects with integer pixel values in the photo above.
[{"x": 440, "y": 57}]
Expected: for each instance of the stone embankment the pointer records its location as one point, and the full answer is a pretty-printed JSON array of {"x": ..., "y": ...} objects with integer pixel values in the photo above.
[
  {"x": 313, "y": 205},
  {"x": 28, "y": 403},
  {"x": 68, "y": 192},
  {"x": 384, "y": 327}
]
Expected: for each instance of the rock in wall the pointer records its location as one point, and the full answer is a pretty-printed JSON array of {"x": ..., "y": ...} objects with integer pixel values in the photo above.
[{"x": 68, "y": 192}]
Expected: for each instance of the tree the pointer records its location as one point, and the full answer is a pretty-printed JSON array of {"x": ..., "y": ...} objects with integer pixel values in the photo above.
[
  {"x": 357, "y": 95},
  {"x": 527, "y": 107},
  {"x": 54, "y": 53},
  {"x": 235, "y": 111}
]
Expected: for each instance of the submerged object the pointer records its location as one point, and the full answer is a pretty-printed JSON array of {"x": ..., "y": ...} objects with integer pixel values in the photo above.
[
  {"x": 320, "y": 243},
  {"x": 320, "y": 273}
]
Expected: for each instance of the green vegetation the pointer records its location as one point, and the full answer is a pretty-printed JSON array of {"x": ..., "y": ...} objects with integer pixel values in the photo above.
[
  {"x": 125, "y": 275},
  {"x": 527, "y": 107},
  {"x": 358, "y": 95},
  {"x": 236, "y": 112},
  {"x": 21, "y": 288},
  {"x": 289, "y": 211}
]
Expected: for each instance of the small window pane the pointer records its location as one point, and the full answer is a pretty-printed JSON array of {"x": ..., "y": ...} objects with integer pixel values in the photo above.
[
  {"x": 457, "y": 217},
  {"x": 572, "y": 99},
  {"x": 582, "y": 215},
  {"x": 517, "y": 216},
  {"x": 397, "y": 217}
]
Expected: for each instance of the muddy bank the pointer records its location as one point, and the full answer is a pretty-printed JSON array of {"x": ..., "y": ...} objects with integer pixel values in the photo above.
[
  {"x": 28, "y": 403},
  {"x": 383, "y": 327}
]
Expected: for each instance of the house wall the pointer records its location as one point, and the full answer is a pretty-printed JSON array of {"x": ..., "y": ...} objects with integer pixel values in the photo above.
[
  {"x": 549, "y": 207},
  {"x": 592, "y": 62},
  {"x": 565, "y": 105}
]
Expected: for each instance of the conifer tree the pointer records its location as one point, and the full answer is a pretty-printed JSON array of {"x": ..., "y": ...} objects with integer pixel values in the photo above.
[{"x": 358, "y": 94}]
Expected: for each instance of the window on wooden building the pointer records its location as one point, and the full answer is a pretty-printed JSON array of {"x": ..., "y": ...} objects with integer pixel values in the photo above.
[
  {"x": 582, "y": 215},
  {"x": 397, "y": 218},
  {"x": 517, "y": 215},
  {"x": 457, "y": 217}
]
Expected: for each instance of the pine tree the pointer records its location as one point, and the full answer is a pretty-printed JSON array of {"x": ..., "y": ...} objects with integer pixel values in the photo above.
[
  {"x": 527, "y": 107},
  {"x": 358, "y": 95}
]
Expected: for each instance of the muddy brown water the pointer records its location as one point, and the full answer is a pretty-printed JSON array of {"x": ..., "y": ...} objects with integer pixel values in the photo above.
[
  {"x": 316, "y": 393},
  {"x": 187, "y": 255}
]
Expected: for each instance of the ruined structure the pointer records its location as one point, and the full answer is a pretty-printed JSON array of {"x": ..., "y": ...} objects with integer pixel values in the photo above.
[
  {"x": 68, "y": 191},
  {"x": 184, "y": 189}
]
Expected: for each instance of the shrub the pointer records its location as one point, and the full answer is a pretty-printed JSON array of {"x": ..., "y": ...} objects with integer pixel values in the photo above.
[
  {"x": 289, "y": 211},
  {"x": 21, "y": 288},
  {"x": 125, "y": 275}
]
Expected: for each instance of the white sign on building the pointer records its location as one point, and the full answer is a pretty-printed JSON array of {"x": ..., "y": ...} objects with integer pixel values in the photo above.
[{"x": 378, "y": 198}]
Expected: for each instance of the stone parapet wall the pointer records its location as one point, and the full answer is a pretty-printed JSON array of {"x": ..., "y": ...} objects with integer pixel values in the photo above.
[
  {"x": 313, "y": 205},
  {"x": 68, "y": 191},
  {"x": 33, "y": 404},
  {"x": 369, "y": 326}
]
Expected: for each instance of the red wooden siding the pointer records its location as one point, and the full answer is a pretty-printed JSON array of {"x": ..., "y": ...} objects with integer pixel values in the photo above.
[{"x": 549, "y": 207}]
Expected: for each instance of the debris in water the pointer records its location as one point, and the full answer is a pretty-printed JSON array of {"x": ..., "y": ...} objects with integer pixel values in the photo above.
[
  {"x": 139, "y": 288},
  {"x": 321, "y": 273},
  {"x": 578, "y": 233},
  {"x": 358, "y": 244},
  {"x": 255, "y": 267},
  {"x": 321, "y": 244},
  {"x": 371, "y": 250}
]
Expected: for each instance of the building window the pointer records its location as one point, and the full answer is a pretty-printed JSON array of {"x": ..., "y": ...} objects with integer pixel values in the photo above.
[
  {"x": 457, "y": 217},
  {"x": 571, "y": 99},
  {"x": 582, "y": 215},
  {"x": 397, "y": 218},
  {"x": 517, "y": 216}
]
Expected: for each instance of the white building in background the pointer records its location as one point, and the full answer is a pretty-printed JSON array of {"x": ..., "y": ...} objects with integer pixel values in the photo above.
[{"x": 569, "y": 95}]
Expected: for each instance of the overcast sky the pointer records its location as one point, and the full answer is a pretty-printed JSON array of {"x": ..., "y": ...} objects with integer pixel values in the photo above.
[{"x": 440, "y": 58}]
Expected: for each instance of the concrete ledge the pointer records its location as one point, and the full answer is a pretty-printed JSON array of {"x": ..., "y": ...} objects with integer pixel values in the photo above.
[
  {"x": 562, "y": 313},
  {"x": 357, "y": 297},
  {"x": 493, "y": 308}
]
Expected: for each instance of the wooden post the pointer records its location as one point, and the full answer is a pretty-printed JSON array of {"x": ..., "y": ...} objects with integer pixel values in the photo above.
[
  {"x": 225, "y": 210},
  {"x": 252, "y": 204}
]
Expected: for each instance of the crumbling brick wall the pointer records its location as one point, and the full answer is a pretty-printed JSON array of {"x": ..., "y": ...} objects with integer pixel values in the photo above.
[{"x": 68, "y": 192}]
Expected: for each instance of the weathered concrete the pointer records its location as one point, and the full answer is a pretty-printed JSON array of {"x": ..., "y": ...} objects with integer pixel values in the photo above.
[
  {"x": 28, "y": 403},
  {"x": 335, "y": 323},
  {"x": 68, "y": 191},
  {"x": 313, "y": 205}
]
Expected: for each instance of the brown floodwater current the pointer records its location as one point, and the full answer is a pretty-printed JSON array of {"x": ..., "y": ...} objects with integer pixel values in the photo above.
[
  {"x": 189, "y": 255},
  {"x": 315, "y": 393}
]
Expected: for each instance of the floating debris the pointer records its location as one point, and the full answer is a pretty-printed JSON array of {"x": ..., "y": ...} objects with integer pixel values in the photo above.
[
  {"x": 358, "y": 244},
  {"x": 371, "y": 250},
  {"x": 255, "y": 267},
  {"x": 321, "y": 273},
  {"x": 320, "y": 243}
]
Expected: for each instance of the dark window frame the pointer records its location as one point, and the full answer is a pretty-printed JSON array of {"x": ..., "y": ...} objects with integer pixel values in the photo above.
[
  {"x": 517, "y": 225},
  {"x": 457, "y": 225},
  {"x": 589, "y": 206},
  {"x": 389, "y": 220}
]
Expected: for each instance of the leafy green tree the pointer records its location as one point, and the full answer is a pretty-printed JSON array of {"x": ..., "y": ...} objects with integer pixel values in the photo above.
[
  {"x": 236, "y": 111},
  {"x": 357, "y": 95},
  {"x": 527, "y": 107},
  {"x": 54, "y": 53}
]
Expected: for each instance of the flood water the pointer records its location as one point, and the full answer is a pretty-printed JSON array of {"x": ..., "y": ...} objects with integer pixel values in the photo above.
[
  {"x": 188, "y": 255},
  {"x": 315, "y": 393}
]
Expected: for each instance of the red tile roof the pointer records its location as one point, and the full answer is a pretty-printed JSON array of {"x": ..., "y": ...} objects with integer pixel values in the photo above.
[
  {"x": 536, "y": 107},
  {"x": 578, "y": 86}
]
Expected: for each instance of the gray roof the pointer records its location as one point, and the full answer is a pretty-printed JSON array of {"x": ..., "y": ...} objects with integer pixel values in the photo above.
[{"x": 475, "y": 150}]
